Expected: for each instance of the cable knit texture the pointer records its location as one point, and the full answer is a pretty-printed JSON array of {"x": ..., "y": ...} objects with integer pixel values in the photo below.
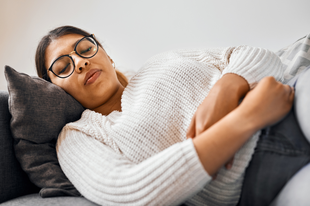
[{"x": 140, "y": 156}]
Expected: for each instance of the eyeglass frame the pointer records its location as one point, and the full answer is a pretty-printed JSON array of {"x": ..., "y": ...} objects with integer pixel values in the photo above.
[{"x": 74, "y": 51}]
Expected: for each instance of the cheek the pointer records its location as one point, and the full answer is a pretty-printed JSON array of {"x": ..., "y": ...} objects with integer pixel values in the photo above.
[{"x": 68, "y": 85}]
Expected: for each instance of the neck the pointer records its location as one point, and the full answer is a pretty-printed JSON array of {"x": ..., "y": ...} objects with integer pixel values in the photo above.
[{"x": 114, "y": 103}]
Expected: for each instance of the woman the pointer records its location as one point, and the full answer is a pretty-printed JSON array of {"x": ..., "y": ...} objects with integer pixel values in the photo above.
[{"x": 130, "y": 146}]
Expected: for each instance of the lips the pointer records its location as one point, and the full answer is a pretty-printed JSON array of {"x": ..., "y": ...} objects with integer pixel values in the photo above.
[{"x": 91, "y": 76}]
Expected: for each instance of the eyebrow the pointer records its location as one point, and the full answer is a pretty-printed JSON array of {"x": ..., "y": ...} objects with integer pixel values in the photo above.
[{"x": 75, "y": 43}]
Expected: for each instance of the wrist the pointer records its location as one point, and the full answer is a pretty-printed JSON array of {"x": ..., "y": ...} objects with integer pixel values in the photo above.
[
  {"x": 234, "y": 85},
  {"x": 221, "y": 141},
  {"x": 248, "y": 119}
]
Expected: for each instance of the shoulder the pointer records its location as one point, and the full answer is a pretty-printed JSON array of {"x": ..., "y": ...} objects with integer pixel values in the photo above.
[
  {"x": 88, "y": 117},
  {"x": 212, "y": 51},
  {"x": 198, "y": 54},
  {"x": 184, "y": 53},
  {"x": 79, "y": 127},
  {"x": 91, "y": 126}
]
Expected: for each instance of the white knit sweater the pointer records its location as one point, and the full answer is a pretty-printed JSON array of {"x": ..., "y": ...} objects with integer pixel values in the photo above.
[{"x": 140, "y": 156}]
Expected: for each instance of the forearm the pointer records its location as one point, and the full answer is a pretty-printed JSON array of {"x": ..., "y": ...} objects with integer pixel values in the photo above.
[
  {"x": 222, "y": 99},
  {"x": 266, "y": 104},
  {"x": 232, "y": 86},
  {"x": 220, "y": 142}
]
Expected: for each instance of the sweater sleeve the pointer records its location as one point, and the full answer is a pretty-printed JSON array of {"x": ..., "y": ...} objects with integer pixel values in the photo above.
[
  {"x": 251, "y": 63},
  {"x": 108, "y": 178}
]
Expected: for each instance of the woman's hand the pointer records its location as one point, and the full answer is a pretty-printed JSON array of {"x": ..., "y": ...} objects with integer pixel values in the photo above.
[
  {"x": 221, "y": 100},
  {"x": 267, "y": 103}
]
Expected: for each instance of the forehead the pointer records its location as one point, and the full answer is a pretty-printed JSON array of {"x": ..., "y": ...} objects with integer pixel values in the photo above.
[{"x": 60, "y": 46}]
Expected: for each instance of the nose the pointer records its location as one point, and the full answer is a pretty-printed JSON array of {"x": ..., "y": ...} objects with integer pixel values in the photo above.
[{"x": 80, "y": 63}]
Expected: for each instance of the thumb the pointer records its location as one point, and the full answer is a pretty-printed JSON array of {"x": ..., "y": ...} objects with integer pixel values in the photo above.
[{"x": 229, "y": 164}]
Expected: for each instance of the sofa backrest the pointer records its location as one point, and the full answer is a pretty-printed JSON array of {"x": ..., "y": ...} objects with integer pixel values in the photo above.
[{"x": 13, "y": 180}]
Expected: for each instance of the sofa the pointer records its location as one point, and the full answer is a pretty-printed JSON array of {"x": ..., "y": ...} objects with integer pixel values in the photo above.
[{"x": 17, "y": 187}]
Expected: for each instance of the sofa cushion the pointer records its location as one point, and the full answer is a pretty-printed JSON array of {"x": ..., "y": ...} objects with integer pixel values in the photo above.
[
  {"x": 36, "y": 200},
  {"x": 14, "y": 181},
  {"x": 39, "y": 110},
  {"x": 296, "y": 60},
  {"x": 302, "y": 102}
]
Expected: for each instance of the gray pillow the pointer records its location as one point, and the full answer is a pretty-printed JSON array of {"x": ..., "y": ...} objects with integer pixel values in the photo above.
[{"x": 39, "y": 110}]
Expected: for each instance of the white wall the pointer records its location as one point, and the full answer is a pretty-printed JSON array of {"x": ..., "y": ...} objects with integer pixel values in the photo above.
[{"x": 132, "y": 31}]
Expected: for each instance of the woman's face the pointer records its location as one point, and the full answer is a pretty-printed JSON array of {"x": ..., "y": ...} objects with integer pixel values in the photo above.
[{"x": 94, "y": 80}]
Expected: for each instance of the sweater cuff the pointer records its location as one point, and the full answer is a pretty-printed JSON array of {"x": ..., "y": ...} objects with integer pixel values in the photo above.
[
  {"x": 191, "y": 156},
  {"x": 253, "y": 64},
  {"x": 197, "y": 177}
]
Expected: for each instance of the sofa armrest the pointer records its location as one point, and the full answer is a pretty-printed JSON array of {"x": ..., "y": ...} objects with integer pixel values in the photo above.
[{"x": 13, "y": 180}]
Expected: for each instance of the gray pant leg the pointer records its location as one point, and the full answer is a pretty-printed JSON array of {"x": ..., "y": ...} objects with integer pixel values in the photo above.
[{"x": 296, "y": 191}]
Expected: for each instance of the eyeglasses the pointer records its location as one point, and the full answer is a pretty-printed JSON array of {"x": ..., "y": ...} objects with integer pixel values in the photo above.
[{"x": 64, "y": 65}]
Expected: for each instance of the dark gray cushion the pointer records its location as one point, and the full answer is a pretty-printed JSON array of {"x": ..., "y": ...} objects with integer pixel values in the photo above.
[
  {"x": 36, "y": 200},
  {"x": 39, "y": 110},
  {"x": 13, "y": 180}
]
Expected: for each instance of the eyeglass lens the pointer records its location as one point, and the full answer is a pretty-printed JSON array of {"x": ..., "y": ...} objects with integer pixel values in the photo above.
[{"x": 64, "y": 66}]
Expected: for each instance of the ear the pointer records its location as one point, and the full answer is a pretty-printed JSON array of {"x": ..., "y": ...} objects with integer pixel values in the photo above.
[{"x": 112, "y": 62}]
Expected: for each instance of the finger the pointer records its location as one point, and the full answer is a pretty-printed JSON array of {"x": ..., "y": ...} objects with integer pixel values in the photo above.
[
  {"x": 229, "y": 164},
  {"x": 201, "y": 125},
  {"x": 290, "y": 91},
  {"x": 191, "y": 129},
  {"x": 288, "y": 88},
  {"x": 292, "y": 94}
]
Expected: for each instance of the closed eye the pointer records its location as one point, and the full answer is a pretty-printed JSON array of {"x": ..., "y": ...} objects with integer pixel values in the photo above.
[
  {"x": 64, "y": 69},
  {"x": 86, "y": 50}
]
